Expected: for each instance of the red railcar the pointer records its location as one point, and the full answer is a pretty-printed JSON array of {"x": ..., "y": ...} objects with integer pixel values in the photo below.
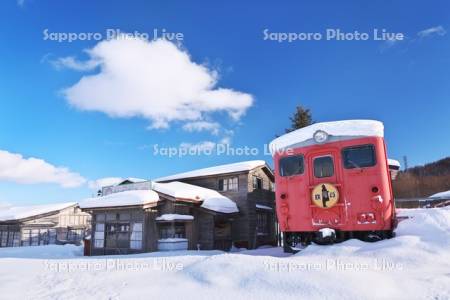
[{"x": 333, "y": 183}]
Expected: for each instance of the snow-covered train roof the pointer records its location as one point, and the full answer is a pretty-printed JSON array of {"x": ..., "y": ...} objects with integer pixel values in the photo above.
[
  {"x": 126, "y": 198},
  {"x": 210, "y": 199},
  {"x": 342, "y": 129},
  {"x": 222, "y": 169},
  {"x": 22, "y": 212}
]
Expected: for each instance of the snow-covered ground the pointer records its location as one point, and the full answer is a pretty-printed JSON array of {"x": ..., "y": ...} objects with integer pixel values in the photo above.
[{"x": 414, "y": 265}]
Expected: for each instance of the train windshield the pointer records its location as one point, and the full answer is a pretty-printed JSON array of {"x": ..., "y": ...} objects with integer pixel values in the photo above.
[
  {"x": 323, "y": 167},
  {"x": 291, "y": 165},
  {"x": 359, "y": 157}
]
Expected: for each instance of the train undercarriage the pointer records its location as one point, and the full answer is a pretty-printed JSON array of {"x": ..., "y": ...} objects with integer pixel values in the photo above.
[{"x": 294, "y": 242}]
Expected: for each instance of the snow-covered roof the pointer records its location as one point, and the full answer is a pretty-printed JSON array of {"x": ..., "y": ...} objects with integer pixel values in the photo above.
[
  {"x": 172, "y": 240},
  {"x": 444, "y": 195},
  {"x": 222, "y": 169},
  {"x": 132, "y": 180},
  {"x": 174, "y": 217},
  {"x": 393, "y": 162},
  {"x": 126, "y": 198},
  {"x": 210, "y": 199},
  {"x": 22, "y": 212},
  {"x": 343, "y": 129}
]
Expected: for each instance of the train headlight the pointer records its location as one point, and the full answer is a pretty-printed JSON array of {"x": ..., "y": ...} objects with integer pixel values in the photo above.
[
  {"x": 370, "y": 217},
  {"x": 362, "y": 218},
  {"x": 320, "y": 136}
]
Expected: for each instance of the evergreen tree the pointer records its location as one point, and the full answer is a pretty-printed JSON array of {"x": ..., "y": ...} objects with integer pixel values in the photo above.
[{"x": 301, "y": 118}]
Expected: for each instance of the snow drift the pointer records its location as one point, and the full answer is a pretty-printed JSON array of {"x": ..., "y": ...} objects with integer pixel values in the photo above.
[{"x": 414, "y": 265}]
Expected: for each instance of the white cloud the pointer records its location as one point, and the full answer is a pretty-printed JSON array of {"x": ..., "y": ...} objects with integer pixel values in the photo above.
[
  {"x": 101, "y": 182},
  {"x": 225, "y": 140},
  {"x": 15, "y": 168},
  {"x": 438, "y": 30},
  {"x": 198, "y": 147},
  {"x": 212, "y": 127},
  {"x": 71, "y": 63},
  {"x": 155, "y": 80}
]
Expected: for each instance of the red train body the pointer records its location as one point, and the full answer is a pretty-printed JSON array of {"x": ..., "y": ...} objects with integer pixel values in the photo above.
[{"x": 335, "y": 189}]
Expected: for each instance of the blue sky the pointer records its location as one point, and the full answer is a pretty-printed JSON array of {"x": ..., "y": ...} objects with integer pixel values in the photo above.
[{"x": 405, "y": 84}]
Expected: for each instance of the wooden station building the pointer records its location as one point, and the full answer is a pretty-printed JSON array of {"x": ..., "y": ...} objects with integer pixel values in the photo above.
[{"x": 212, "y": 208}]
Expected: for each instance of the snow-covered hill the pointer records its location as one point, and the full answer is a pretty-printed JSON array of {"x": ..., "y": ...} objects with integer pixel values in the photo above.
[{"x": 414, "y": 265}]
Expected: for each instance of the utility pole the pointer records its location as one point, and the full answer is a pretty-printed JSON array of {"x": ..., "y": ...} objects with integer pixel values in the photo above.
[{"x": 405, "y": 162}]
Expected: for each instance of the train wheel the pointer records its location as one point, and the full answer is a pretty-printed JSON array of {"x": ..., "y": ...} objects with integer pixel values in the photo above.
[
  {"x": 288, "y": 249},
  {"x": 326, "y": 237},
  {"x": 294, "y": 249},
  {"x": 293, "y": 243},
  {"x": 374, "y": 236},
  {"x": 290, "y": 246},
  {"x": 390, "y": 234}
]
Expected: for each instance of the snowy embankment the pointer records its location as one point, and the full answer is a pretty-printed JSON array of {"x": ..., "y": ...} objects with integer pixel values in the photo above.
[{"x": 414, "y": 265}]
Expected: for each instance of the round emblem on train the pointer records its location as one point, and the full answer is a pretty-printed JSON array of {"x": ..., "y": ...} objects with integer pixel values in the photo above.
[{"x": 325, "y": 195}]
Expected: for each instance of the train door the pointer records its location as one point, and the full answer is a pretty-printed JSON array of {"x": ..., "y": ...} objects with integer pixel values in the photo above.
[{"x": 327, "y": 208}]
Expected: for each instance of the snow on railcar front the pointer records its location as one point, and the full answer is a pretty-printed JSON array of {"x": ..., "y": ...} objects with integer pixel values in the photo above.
[{"x": 333, "y": 183}]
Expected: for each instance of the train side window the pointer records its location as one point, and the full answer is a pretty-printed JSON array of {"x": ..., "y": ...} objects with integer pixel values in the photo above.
[
  {"x": 323, "y": 167},
  {"x": 359, "y": 156},
  {"x": 291, "y": 165}
]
